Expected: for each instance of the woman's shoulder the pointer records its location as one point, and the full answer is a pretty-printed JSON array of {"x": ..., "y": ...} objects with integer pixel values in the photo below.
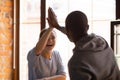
[
  {"x": 56, "y": 53},
  {"x": 31, "y": 54}
]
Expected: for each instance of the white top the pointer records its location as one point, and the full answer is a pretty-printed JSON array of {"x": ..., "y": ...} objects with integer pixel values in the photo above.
[{"x": 39, "y": 67}]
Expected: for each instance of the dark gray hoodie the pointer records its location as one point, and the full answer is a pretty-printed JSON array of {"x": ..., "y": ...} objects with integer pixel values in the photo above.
[{"x": 93, "y": 59}]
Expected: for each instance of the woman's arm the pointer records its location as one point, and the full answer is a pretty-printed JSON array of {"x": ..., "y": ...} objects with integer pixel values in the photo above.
[
  {"x": 57, "y": 77},
  {"x": 41, "y": 44}
]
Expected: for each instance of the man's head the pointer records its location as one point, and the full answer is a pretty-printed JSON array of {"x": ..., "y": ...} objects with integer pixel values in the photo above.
[{"x": 76, "y": 25}]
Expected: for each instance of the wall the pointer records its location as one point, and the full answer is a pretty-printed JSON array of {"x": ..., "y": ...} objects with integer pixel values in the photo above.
[{"x": 6, "y": 39}]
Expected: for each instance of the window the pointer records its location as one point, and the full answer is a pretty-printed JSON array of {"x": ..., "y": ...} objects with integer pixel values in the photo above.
[
  {"x": 115, "y": 38},
  {"x": 98, "y": 13},
  {"x": 29, "y": 32}
]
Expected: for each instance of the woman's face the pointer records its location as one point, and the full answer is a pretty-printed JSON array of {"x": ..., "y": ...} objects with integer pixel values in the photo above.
[{"x": 51, "y": 41}]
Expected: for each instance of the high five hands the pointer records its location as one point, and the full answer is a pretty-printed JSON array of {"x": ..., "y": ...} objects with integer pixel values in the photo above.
[
  {"x": 52, "y": 21},
  {"x": 52, "y": 18}
]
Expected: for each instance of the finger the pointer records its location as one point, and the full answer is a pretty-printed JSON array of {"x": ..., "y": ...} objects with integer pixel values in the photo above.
[
  {"x": 49, "y": 21},
  {"x": 50, "y": 25},
  {"x": 52, "y": 12}
]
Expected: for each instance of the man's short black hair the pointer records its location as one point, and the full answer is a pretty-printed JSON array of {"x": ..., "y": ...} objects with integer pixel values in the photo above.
[{"x": 77, "y": 23}]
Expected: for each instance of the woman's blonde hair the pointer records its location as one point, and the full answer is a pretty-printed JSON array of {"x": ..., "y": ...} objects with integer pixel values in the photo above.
[{"x": 44, "y": 30}]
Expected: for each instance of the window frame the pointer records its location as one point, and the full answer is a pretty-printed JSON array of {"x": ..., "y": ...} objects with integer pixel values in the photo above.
[
  {"x": 16, "y": 34},
  {"x": 113, "y": 23}
]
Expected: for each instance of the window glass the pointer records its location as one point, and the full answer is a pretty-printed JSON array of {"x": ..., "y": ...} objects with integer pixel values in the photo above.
[
  {"x": 99, "y": 15},
  {"x": 117, "y": 43},
  {"x": 29, "y": 31}
]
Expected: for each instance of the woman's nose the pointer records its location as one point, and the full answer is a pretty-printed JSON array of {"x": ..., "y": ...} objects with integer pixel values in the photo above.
[{"x": 50, "y": 40}]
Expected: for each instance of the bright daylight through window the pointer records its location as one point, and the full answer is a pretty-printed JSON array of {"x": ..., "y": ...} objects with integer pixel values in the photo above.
[{"x": 98, "y": 13}]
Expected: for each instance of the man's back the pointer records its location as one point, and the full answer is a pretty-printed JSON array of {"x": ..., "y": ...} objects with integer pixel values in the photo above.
[{"x": 93, "y": 59}]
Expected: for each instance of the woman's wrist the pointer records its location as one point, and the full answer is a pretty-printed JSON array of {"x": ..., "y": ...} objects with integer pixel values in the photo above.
[
  {"x": 45, "y": 79},
  {"x": 50, "y": 28}
]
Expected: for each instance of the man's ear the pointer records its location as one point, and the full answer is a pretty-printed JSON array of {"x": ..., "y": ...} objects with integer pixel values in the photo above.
[
  {"x": 70, "y": 35},
  {"x": 87, "y": 27}
]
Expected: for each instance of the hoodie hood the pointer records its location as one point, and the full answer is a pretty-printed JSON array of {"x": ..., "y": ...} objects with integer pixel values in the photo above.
[{"x": 91, "y": 42}]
